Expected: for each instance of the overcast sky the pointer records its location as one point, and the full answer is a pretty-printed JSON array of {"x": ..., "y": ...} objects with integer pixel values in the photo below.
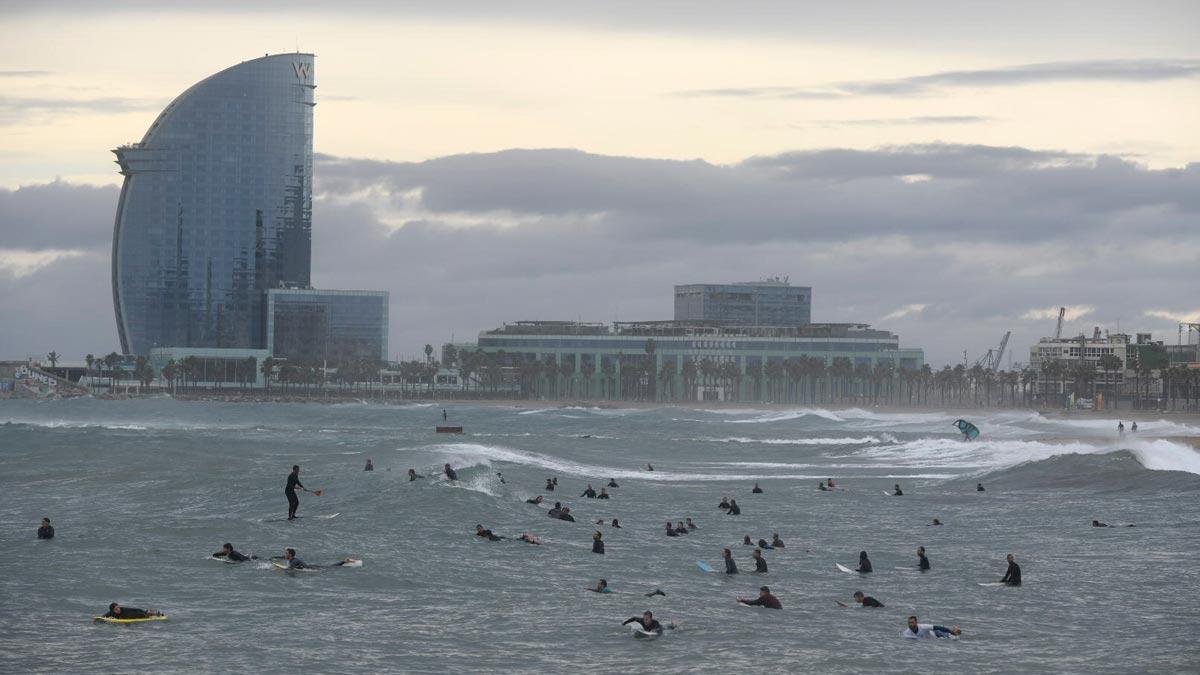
[{"x": 945, "y": 172}]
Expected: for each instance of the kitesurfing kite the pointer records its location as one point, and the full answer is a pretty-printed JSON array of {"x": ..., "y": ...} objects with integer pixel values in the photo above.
[{"x": 969, "y": 431}]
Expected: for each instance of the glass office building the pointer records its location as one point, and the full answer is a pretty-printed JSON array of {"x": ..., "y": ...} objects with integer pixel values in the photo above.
[
  {"x": 330, "y": 328},
  {"x": 773, "y": 302},
  {"x": 216, "y": 208}
]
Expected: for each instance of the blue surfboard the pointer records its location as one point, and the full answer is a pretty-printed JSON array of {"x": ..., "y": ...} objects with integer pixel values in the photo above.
[{"x": 704, "y": 567}]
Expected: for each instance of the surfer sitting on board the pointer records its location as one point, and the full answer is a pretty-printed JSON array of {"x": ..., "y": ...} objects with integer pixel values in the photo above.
[
  {"x": 228, "y": 553},
  {"x": 979, "y": 487},
  {"x": 864, "y": 565},
  {"x": 757, "y": 490},
  {"x": 690, "y": 524},
  {"x": 603, "y": 494},
  {"x": 369, "y": 466},
  {"x": 556, "y": 511},
  {"x": 776, "y": 542},
  {"x": 898, "y": 492},
  {"x": 680, "y": 528},
  {"x": 734, "y": 509},
  {"x": 46, "y": 531},
  {"x": 830, "y": 482},
  {"x": 724, "y": 503},
  {"x": 116, "y": 611},
  {"x": 918, "y": 631},
  {"x": 612, "y": 482},
  {"x": 1012, "y": 576},
  {"x": 647, "y": 623},
  {"x": 764, "y": 599},
  {"x": 597, "y": 543},
  {"x": 549, "y": 485},
  {"x": 486, "y": 534},
  {"x": 601, "y": 587}
]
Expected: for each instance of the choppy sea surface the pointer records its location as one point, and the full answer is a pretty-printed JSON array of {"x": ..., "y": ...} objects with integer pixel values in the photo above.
[{"x": 141, "y": 492}]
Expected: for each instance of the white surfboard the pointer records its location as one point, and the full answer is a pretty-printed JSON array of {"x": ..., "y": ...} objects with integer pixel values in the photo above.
[
  {"x": 992, "y": 583},
  {"x": 329, "y": 516},
  {"x": 640, "y": 633},
  {"x": 845, "y": 569}
]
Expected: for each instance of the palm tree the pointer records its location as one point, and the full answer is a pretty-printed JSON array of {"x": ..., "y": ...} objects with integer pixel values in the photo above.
[
  {"x": 651, "y": 347},
  {"x": 688, "y": 374},
  {"x": 170, "y": 371},
  {"x": 1109, "y": 363},
  {"x": 144, "y": 373},
  {"x": 52, "y": 357},
  {"x": 842, "y": 369},
  {"x": 774, "y": 371},
  {"x": 268, "y": 370},
  {"x": 667, "y": 375},
  {"x": 428, "y": 353},
  {"x": 111, "y": 360}
]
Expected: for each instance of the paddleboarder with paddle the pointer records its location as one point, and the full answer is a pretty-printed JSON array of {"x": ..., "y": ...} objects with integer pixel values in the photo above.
[{"x": 293, "y": 482}]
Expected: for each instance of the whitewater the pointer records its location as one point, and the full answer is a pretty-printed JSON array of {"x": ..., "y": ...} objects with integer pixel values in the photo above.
[{"x": 141, "y": 491}]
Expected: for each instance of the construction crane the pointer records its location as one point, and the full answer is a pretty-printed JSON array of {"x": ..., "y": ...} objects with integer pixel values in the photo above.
[
  {"x": 993, "y": 358},
  {"x": 1062, "y": 312}
]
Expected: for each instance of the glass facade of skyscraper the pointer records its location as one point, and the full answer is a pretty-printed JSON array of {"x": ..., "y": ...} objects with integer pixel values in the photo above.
[
  {"x": 756, "y": 303},
  {"x": 216, "y": 209},
  {"x": 332, "y": 328}
]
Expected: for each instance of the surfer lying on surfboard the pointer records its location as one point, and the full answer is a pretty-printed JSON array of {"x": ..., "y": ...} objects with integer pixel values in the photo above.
[
  {"x": 116, "y": 611},
  {"x": 291, "y": 562},
  {"x": 228, "y": 553},
  {"x": 646, "y": 623},
  {"x": 919, "y": 631}
]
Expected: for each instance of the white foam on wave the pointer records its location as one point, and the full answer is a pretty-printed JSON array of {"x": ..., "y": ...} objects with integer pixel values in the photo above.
[
  {"x": 765, "y": 417},
  {"x": 991, "y": 455},
  {"x": 466, "y": 455},
  {"x": 862, "y": 440}
]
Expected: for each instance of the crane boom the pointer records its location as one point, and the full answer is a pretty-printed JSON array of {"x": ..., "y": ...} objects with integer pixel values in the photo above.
[
  {"x": 1000, "y": 352},
  {"x": 1062, "y": 312}
]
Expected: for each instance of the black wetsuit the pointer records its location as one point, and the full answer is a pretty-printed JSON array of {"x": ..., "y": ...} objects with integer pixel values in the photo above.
[
  {"x": 549, "y": 486},
  {"x": 487, "y": 534},
  {"x": 451, "y": 474},
  {"x": 129, "y": 613},
  {"x": 671, "y": 532},
  {"x": 898, "y": 493},
  {"x": 777, "y": 543},
  {"x": 735, "y": 510},
  {"x": 369, "y": 467},
  {"x": 589, "y": 493},
  {"x": 864, "y": 566},
  {"x": 868, "y": 601},
  {"x": 681, "y": 530},
  {"x": 1013, "y": 576},
  {"x": 532, "y": 501},
  {"x": 567, "y": 517},
  {"x": 760, "y": 565},
  {"x": 924, "y": 564},
  {"x": 730, "y": 566},
  {"x": 613, "y": 483},
  {"x": 232, "y": 555},
  {"x": 598, "y": 546},
  {"x": 757, "y": 491},
  {"x": 654, "y": 627},
  {"x": 293, "y": 482},
  {"x": 602, "y": 495},
  {"x": 769, "y": 601},
  {"x": 46, "y": 532},
  {"x": 554, "y": 512},
  {"x": 979, "y": 488}
]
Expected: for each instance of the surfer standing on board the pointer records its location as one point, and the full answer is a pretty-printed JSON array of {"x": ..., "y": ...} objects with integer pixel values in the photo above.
[{"x": 293, "y": 482}]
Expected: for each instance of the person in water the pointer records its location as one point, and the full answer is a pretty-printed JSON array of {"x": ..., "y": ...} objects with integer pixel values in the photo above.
[
  {"x": 227, "y": 552},
  {"x": 690, "y": 525},
  {"x": 657, "y": 591},
  {"x": 601, "y": 587},
  {"x": 730, "y": 565},
  {"x": 480, "y": 531},
  {"x": 680, "y": 528},
  {"x": 829, "y": 481},
  {"x": 724, "y": 505},
  {"x": 501, "y": 477},
  {"x": 671, "y": 530},
  {"x": 734, "y": 509},
  {"x": 1096, "y": 523},
  {"x": 413, "y": 475},
  {"x": 647, "y": 623},
  {"x": 444, "y": 416},
  {"x": 936, "y": 522},
  {"x": 289, "y": 490},
  {"x": 920, "y": 631},
  {"x": 369, "y": 466},
  {"x": 529, "y": 539},
  {"x": 46, "y": 531},
  {"x": 295, "y": 563},
  {"x": 612, "y": 483},
  {"x": 1012, "y": 576},
  {"x": 649, "y": 467},
  {"x": 864, "y": 564},
  {"x": 757, "y": 490},
  {"x": 822, "y": 488},
  {"x": 760, "y": 563},
  {"x": 866, "y": 600},
  {"x": 450, "y": 473},
  {"x": 565, "y": 514},
  {"x": 597, "y": 544},
  {"x": 536, "y": 500},
  {"x": 764, "y": 599},
  {"x": 589, "y": 492},
  {"x": 1133, "y": 427},
  {"x": 1120, "y": 427},
  {"x": 556, "y": 511},
  {"x": 746, "y": 541},
  {"x": 603, "y": 494},
  {"x": 922, "y": 561},
  {"x": 116, "y": 611},
  {"x": 979, "y": 487},
  {"x": 549, "y": 485},
  {"x": 762, "y": 543},
  {"x": 776, "y": 542},
  {"x": 898, "y": 492},
  {"x": 616, "y": 524}
]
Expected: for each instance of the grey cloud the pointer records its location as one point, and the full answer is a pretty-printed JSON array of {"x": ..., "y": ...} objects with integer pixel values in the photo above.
[
  {"x": 18, "y": 109},
  {"x": 565, "y": 234},
  {"x": 58, "y": 215},
  {"x": 1127, "y": 70}
]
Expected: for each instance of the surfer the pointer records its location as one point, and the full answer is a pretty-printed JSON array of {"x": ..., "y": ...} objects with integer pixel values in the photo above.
[
  {"x": 565, "y": 514},
  {"x": 1012, "y": 576},
  {"x": 369, "y": 466},
  {"x": 935, "y": 522},
  {"x": 680, "y": 528},
  {"x": 486, "y": 534},
  {"x": 979, "y": 487},
  {"x": 657, "y": 591},
  {"x": 671, "y": 530},
  {"x": 1096, "y": 523},
  {"x": 549, "y": 485},
  {"x": 898, "y": 492},
  {"x": 556, "y": 511},
  {"x": 530, "y": 539},
  {"x": 294, "y": 563},
  {"x": 776, "y": 542},
  {"x": 536, "y": 500},
  {"x": 730, "y": 565},
  {"x": 603, "y": 494},
  {"x": 450, "y": 473},
  {"x": 829, "y": 481},
  {"x": 762, "y": 543},
  {"x": 649, "y": 467},
  {"x": 293, "y": 482},
  {"x": 760, "y": 563},
  {"x": 615, "y": 524},
  {"x": 690, "y": 525},
  {"x": 444, "y": 416},
  {"x": 734, "y": 509},
  {"x": 822, "y": 488},
  {"x": 413, "y": 475},
  {"x": 501, "y": 477},
  {"x": 724, "y": 505},
  {"x": 647, "y": 623},
  {"x": 757, "y": 490},
  {"x": 612, "y": 483},
  {"x": 46, "y": 531},
  {"x": 864, "y": 564},
  {"x": 764, "y": 599},
  {"x": 922, "y": 561},
  {"x": 1120, "y": 427},
  {"x": 601, "y": 587},
  {"x": 917, "y": 631},
  {"x": 746, "y": 541},
  {"x": 1133, "y": 427},
  {"x": 227, "y": 552},
  {"x": 597, "y": 544},
  {"x": 589, "y": 492},
  {"x": 866, "y": 600},
  {"x": 116, "y": 611}
]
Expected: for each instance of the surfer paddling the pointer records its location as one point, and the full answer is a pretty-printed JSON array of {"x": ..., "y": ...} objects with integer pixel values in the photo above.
[
  {"x": 764, "y": 599},
  {"x": 923, "y": 631}
]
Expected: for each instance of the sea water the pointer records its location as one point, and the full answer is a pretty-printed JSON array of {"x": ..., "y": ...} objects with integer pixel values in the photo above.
[{"x": 142, "y": 492}]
